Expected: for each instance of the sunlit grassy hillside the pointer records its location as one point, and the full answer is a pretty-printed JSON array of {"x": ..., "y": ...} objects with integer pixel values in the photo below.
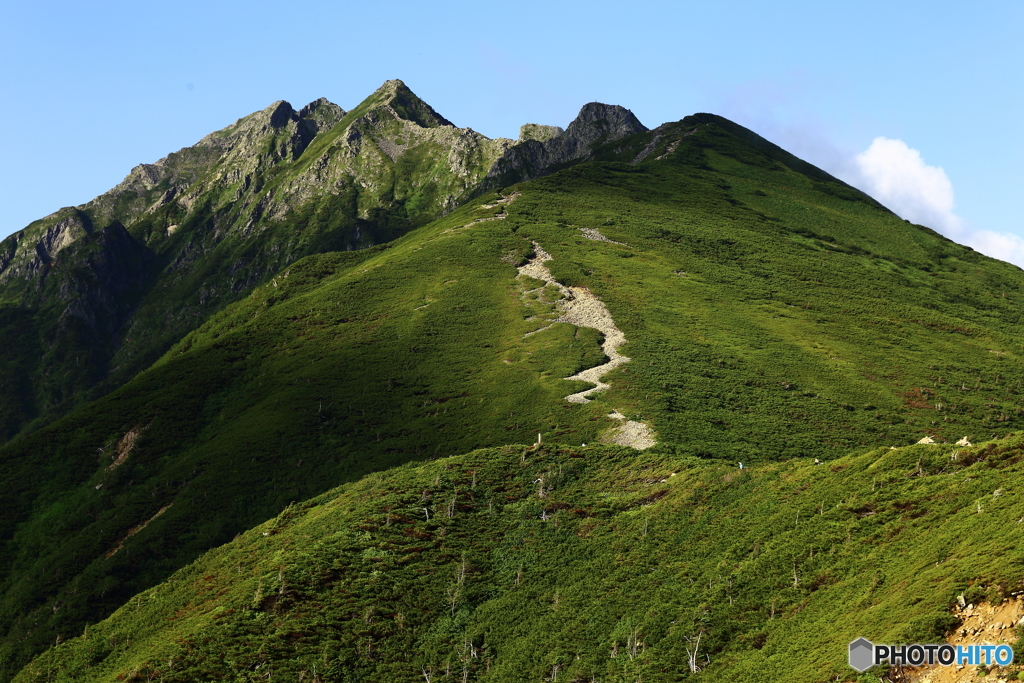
[{"x": 578, "y": 564}]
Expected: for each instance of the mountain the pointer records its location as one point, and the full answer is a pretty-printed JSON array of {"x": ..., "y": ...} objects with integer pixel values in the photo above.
[
  {"x": 179, "y": 239},
  {"x": 729, "y": 302}
]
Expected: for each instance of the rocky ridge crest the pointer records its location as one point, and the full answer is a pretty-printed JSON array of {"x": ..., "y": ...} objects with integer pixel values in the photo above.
[{"x": 542, "y": 149}]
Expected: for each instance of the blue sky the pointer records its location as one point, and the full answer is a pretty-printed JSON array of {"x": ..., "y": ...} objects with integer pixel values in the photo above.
[{"x": 919, "y": 103}]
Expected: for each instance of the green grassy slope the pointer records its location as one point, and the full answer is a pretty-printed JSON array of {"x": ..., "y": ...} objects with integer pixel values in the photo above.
[
  {"x": 769, "y": 314},
  {"x": 598, "y": 563},
  {"x": 779, "y": 314}
]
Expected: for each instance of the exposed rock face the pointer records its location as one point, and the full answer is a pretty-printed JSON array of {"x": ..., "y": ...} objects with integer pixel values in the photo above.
[
  {"x": 542, "y": 150},
  {"x": 239, "y": 153},
  {"x": 538, "y": 132},
  {"x": 322, "y": 113},
  {"x": 598, "y": 122},
  {"x": 96, "y": 284},
  {"x": 70, "y": 299},
  {"x": 393, "y": 127},
  {"x": 228, "y": 162},
  {"x": 27, "y": 258},
  {"x": 403, "y": 104}
]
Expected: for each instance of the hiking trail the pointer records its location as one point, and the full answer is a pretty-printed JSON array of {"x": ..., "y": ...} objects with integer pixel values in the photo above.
[{"x": 582, "y": 308}]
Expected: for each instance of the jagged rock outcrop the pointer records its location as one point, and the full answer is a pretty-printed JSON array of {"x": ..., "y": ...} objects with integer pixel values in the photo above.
[
  {"x": 99, "y": 278},
  {"x": 538, "y": 132},
  {"x": 71, "y": 281},
  {"x": 227, "y": 163},
  {"x": 321, "y": 113},
  {"x": 542, "y": 149},
  {"x": 25, "y": 255},
  {"x": 397, "y": 153},
  {"x": 62, "y": 328}
]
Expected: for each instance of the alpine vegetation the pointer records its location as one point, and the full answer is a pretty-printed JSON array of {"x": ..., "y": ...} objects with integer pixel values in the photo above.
[{"x": 362, "y": 395}]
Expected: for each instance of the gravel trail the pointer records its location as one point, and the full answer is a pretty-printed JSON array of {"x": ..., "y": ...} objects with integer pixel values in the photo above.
[{"x": 581, "y": 307}]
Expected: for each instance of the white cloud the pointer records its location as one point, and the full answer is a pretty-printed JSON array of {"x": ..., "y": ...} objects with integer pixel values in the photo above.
[
  {"x": 1001, "y": 245},
  {"x": 897, "y": 176}
]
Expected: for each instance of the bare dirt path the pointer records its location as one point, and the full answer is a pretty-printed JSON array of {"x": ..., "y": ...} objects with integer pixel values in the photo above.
[
  {"x": 630, "y": 433},
  {"x": 595, "y": 234},
  {"x": 498, "y": 217},
  {"x": 504, "y": 200},
  {"x": 582, "y": 308}
]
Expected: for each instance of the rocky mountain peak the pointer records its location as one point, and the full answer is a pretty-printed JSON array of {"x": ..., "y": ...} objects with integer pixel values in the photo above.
[
  {"x": 596, "y": 120},
  {"x": 541, "y": 148},
  {"x": 46, "y": 239},
  {"x": 314, "y": 105},
  {"x": 405, "y": 104},
  {"x": 323, "y": 113},
  {"x": 392, "y": 85},
  {"x": 281, "y": 113}
]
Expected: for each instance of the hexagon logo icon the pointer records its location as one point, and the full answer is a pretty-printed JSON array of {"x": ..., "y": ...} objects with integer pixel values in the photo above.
[{"x": 862, "y": 654}]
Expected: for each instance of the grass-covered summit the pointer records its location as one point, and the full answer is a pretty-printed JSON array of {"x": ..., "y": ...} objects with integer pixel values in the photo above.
[{"x": 770, "y": 312}]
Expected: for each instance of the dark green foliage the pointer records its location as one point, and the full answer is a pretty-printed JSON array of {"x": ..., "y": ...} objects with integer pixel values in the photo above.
[
  {"x": 58, "y": 334},
  {"x": 932, "y": 628},
  {"x": 974, "y": 595},
  {"x": 520, "y": 563},
  {"x": 16, "y": 369}
]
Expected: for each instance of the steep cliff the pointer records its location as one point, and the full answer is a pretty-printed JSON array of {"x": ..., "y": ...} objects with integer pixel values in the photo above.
[{"x": 543, "y": 149}]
